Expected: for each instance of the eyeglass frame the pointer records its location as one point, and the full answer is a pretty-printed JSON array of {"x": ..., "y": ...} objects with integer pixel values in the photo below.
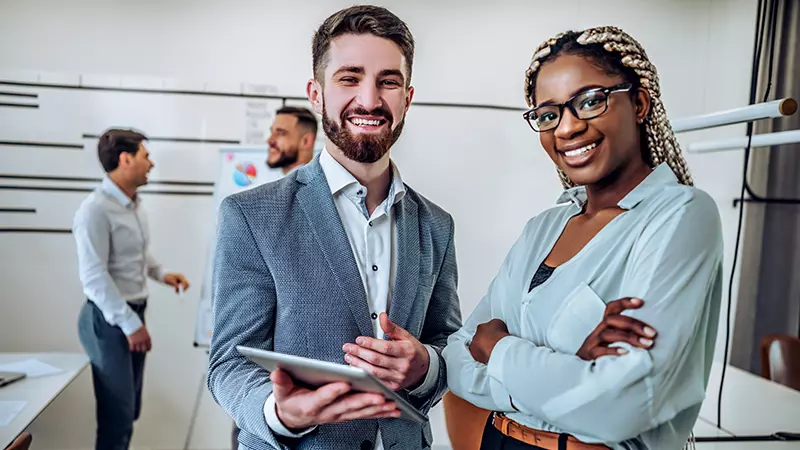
[{"x": 622, "y": 87}]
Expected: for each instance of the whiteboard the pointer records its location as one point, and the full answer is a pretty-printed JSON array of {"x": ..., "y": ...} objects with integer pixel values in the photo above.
[{"x": 241, "y": 168}]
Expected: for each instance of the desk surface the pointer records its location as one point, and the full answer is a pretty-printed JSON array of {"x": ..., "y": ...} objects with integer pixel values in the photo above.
[
  {"x": 748, "y": 445},
  {"x": 751, "y": 405},
  {"x": 37, "y": 392}
]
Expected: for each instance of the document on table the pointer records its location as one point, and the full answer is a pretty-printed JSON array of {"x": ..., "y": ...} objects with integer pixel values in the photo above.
[
  {"x": 9, "y": 410},
  {"x": 31, "y": 367}
]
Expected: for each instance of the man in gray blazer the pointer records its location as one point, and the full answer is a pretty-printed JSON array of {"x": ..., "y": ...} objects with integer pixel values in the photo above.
[{"x": 339, "y": 261}]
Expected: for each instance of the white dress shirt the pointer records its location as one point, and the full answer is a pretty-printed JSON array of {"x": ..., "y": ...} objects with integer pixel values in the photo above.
[
  {"x": 112, "y": 238},
  {"x": 666, "y": 249},
  {"x": 373, "y": 239}
]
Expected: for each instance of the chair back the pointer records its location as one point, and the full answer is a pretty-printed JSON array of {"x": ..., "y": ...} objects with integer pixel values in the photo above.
[
  {"x": 22, "y": 442},
  {"x": 464, "y": 422},
  {"x": 780, "y": 359}
]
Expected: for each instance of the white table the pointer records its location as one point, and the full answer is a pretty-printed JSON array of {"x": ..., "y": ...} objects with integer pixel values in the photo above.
[
  {"x": 751, "y": 405},
  {"x": 37, "y": 392}
]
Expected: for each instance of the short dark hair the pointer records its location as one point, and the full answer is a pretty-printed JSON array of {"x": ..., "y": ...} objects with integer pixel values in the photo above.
[
  {"x": 361, "y": 19},
  {"x": 305, "y": 118},
  {"x": 114, "y": 142}
]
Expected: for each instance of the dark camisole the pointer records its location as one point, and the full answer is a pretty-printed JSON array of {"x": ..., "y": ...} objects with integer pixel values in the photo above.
[{"x": 542, "y": 274}]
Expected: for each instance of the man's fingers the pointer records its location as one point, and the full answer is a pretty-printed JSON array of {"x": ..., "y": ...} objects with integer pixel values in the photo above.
[
  {"x": 612, "y": 335},
  {"x": 391, "y": 329},
  {"x": 391, "y": 348},
  {"x": 630, "y": 324},
  {"x": 392, "y": 360},
  {"x": 385, "y": 375},
  {"x": 371, "y": 412},
  {"x": 350, "y": 403},
  {"x": 389, "y": 415},
  {"x": 282, "y": 384},
  {"x": 329, "y": 393}
]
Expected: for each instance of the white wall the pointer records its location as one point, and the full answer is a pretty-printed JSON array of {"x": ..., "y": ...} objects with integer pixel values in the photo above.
[{"x": 485, "y": 167}]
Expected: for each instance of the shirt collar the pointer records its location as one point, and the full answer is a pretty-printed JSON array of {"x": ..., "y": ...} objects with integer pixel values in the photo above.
[
  {"x": 111, "y": 189},
  {"x": 660, "y": 177},
  {"x": 339, "y": 179}
]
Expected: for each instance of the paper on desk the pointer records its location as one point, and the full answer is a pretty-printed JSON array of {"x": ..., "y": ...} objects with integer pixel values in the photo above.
[
  {"x": 31, "y": 367},
  {"x": 9, "y": 410}
]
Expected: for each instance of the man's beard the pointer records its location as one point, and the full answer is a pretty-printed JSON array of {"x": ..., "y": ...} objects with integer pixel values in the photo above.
[
  {"x": 285, "y": 159},
  {"x": 363, "y": 148}
]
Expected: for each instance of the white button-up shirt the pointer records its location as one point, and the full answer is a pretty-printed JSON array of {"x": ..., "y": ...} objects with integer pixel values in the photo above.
[
  {"x": 112, "y": 239},
  {"x": 373, "y": 239},
  {"x": 666, "y": 249}
]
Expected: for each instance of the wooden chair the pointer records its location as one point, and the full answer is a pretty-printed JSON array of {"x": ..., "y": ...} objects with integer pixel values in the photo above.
[
  {"x": 464, "y": 422},
  {"x": 780, "y": 359},
  {"x": 22, "y": 442}
]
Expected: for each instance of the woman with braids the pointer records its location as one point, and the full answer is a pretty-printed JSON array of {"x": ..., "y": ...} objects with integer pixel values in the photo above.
[{"x": 599, "y": 329}]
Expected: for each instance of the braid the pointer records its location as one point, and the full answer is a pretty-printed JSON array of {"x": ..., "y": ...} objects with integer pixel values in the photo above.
[{"x": 662, "y": 145}]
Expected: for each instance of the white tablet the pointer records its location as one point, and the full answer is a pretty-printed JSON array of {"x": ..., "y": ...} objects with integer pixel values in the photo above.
[{"x": 314, "y": 373}]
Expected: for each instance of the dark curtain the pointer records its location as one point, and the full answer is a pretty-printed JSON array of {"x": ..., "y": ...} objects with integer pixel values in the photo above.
[{"x": 769, "y": 285}]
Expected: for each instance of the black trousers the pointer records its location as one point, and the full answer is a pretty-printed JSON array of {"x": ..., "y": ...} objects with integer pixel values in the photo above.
[{"x": 493, "y": 439}]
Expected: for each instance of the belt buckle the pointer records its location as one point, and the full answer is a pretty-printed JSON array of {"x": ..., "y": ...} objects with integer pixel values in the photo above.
[{"x": 504, "y": 422}]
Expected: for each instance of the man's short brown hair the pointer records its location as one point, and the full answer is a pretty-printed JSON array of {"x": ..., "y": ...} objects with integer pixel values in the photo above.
[
  {"x": 114, "y": 142},
  {"x": 361, "y": 19}
]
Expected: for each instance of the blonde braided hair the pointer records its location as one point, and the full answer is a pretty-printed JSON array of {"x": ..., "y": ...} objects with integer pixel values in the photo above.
[{"x": 662, "y": 145}]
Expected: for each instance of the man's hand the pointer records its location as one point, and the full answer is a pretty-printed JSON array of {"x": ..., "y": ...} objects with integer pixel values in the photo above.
[
  {"x": 299, "y": 408},
  {"x": 177, "y": 281},
  {"x": 487, "y": 335},
  {"x": 140, "y": 341},
  {"x": 400, "y": 363},
  {"x": 617, "y": 328}
]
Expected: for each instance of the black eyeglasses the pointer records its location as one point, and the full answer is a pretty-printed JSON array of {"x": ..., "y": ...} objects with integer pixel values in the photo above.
[{"x": 583, "y": 105}]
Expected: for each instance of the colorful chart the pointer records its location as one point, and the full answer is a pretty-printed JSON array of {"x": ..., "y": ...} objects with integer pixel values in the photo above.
[{"x": 244, "y": 174}]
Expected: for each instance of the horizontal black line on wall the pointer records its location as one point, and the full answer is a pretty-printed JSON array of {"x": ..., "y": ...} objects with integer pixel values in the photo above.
[
  {"x": 18, "y": 94},
  {"x": 41, "y": 144},
  {"x": 98, "y": 180},
  {"x": 176, "y": 139},
  {"x": 19, "y": 105},
  {"x": 226, "y": 94},
  {"x": 69, "y": 189},
  {"x": 18, "y": 210},
  {"x": 32, "y": 230}
]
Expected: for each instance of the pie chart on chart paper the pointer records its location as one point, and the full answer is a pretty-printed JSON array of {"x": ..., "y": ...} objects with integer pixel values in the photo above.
[{"x": 244, "y": 174}]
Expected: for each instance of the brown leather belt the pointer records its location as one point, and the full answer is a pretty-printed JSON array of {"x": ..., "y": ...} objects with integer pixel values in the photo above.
[{"x": 544, "y": 439}]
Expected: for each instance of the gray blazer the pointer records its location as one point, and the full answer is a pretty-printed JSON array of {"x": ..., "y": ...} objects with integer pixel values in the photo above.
[{"x": 285, "y": 279}]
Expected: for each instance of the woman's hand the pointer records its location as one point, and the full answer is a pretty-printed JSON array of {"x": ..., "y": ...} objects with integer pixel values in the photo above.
[
  {"x": 617, "y": 328},
  {"x": 486, "y": 337}
]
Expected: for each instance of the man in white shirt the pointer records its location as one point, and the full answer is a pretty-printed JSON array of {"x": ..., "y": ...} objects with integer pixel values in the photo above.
[
  {"x": 112, "y": 238},
  {"x": 335, "y": 257}
]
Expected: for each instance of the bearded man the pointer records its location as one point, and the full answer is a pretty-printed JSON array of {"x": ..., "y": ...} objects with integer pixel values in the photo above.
[{"x": 339, "y": 261}]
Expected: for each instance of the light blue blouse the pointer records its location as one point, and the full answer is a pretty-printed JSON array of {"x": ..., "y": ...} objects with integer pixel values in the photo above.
[{"x": 666, "y": 249}]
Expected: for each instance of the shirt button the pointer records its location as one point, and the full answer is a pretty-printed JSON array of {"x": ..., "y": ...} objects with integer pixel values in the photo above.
[
  {"x": 374, "y": 316},
  {"x": 370, "y": 223},
  {"x": 374, "y": 268}
]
